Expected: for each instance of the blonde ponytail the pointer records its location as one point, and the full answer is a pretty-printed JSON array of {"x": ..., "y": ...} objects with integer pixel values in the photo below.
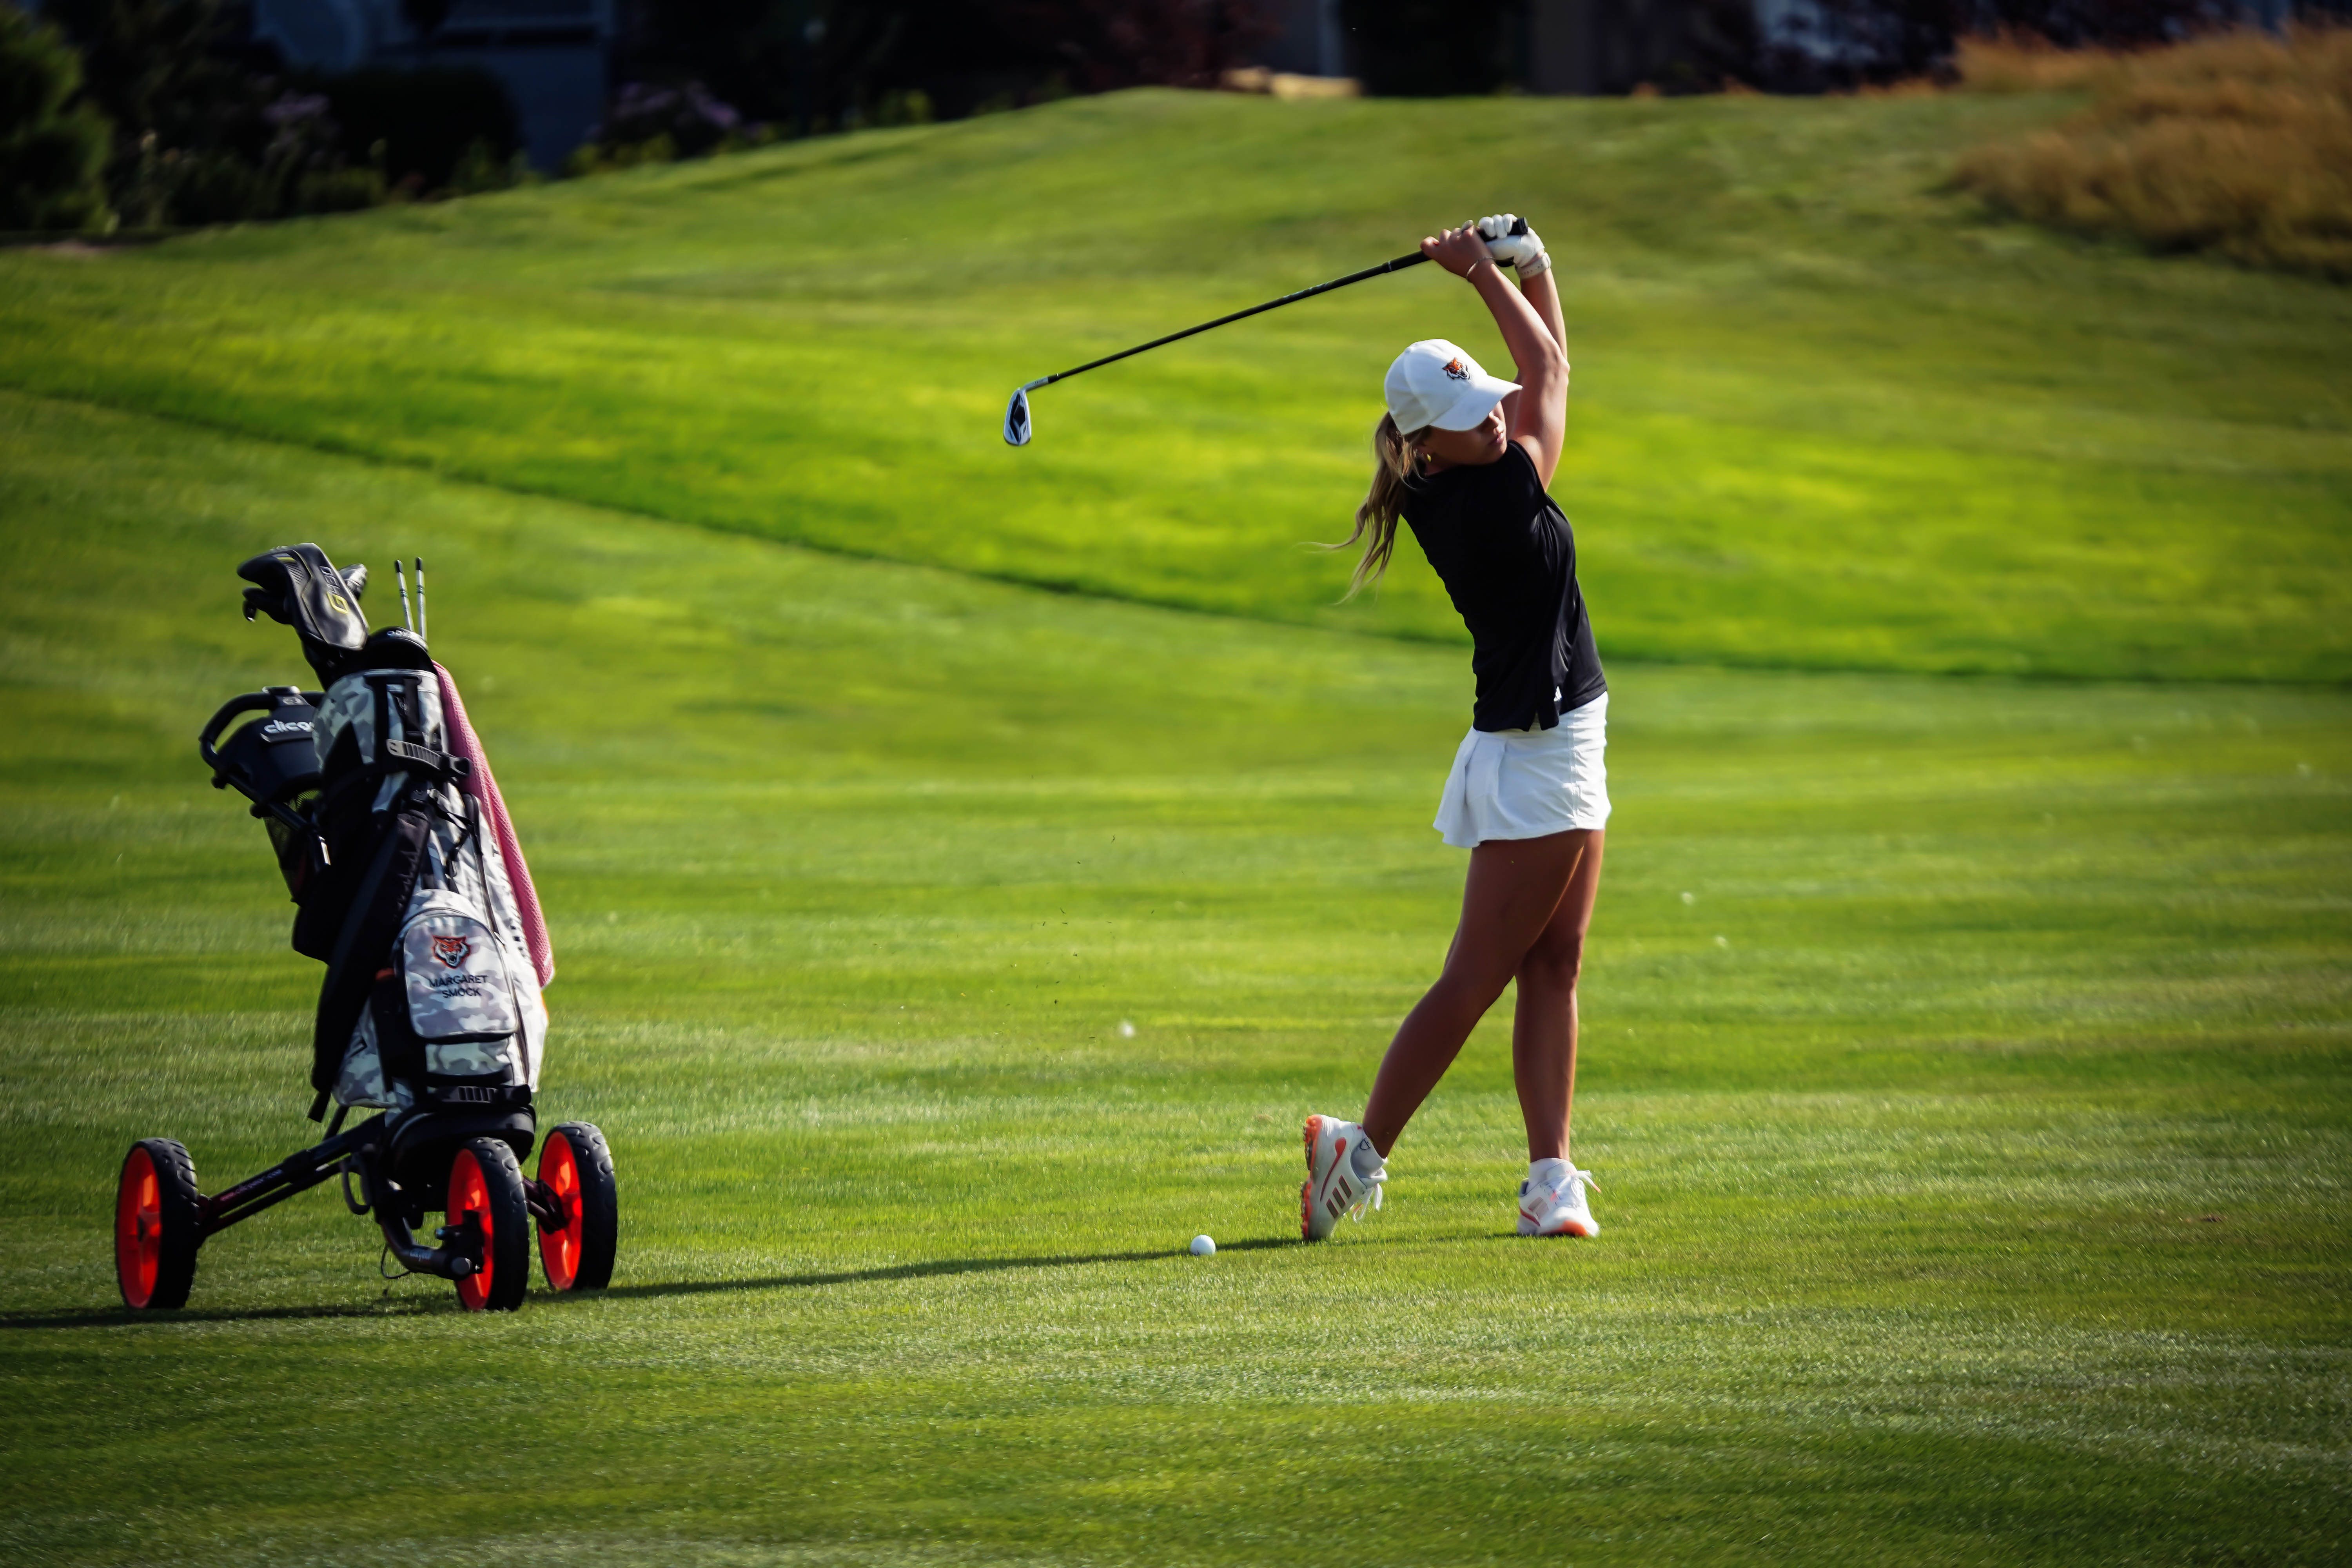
[{"x": 1399, "y": 464}]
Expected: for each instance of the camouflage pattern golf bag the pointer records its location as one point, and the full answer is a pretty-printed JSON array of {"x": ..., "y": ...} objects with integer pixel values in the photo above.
[{"x": 431, "y": 999}]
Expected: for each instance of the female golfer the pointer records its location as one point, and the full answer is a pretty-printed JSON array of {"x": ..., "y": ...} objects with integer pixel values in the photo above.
[{"x": 1466, "y": 458}]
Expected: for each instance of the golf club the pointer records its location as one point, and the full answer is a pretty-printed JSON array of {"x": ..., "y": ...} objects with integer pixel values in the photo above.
[
  {"x": 1017, "y": 427},
  {"x": 420, "y": 597}
]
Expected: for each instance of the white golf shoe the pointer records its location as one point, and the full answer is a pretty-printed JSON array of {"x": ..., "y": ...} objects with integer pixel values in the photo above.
[
  {"x": 1552, "y": 1201},
  {"x": 1344, "y": 1174}
]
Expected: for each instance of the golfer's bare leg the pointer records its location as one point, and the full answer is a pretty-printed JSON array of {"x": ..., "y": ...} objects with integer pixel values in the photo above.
[
  {"x": 1513, "y": 889},
  {"x": 1543, "y": 1031}
]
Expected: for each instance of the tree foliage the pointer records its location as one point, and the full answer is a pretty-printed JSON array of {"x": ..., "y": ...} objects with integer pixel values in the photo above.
[
  {"x": 208, "y": 128},
  {"x": 53, "y": 148},
  {"x": 1432, "y": 48},
  {"x": 835, "y": 62},
  {"x": 157, "y": 65}
]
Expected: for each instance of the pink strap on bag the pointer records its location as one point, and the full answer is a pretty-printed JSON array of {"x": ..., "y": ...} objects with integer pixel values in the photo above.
[{"x": 484, "y": 787}]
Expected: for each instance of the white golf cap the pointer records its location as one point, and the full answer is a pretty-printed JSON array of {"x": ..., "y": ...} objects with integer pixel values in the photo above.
[{"x": 1434, "y": 383}]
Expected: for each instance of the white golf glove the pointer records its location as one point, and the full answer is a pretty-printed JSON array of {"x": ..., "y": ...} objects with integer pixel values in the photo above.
[{"x": 1523, "y": 250}]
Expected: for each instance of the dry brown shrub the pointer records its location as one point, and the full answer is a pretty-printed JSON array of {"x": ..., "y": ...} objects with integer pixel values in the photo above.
[
  {"x": 2239, "y": 144},
  {"x": 2021, "y": 62}
]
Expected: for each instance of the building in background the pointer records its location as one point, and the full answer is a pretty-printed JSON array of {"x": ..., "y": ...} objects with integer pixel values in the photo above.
[
  {"x": 553, "y": 56},
  {"x": 1312, "y": 40}
]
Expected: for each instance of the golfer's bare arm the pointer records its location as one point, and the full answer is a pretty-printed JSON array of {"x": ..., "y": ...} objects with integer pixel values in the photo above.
[
  {"x": 1544, "y": 294},
  {"x": 1536, "y": 415}
]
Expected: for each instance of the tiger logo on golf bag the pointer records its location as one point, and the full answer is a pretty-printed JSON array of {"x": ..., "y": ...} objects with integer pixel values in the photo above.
[{"x": 450, "y": 950}]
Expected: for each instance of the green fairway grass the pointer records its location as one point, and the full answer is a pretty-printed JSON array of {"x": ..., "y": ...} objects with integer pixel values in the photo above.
[
  {"x": 1825, "y": 414},
  {"x": 1965, "y": 1074}
]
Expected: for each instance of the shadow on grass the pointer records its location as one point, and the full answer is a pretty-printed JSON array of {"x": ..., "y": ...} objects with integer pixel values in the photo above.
[
  {"x": 121, "y": 1316},
  {"x": 932, "y": 1269}
]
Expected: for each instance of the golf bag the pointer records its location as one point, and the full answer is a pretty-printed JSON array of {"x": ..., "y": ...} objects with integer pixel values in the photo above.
[
  {"x": 410, "y": 887},
  {"x": 431, "y": 999}
]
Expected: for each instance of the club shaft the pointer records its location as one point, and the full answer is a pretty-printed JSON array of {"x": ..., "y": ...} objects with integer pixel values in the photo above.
[
  {"x": 1402, "y": 262},
  {"x": 420, "y": 598}
]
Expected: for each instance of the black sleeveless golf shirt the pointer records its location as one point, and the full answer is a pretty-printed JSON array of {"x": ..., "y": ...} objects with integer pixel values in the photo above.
[{"x": 1507, "y": 557}]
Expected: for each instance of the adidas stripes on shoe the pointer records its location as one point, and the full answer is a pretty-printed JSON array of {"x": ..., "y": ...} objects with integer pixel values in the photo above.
[{"x": 1344, "y": 1174}]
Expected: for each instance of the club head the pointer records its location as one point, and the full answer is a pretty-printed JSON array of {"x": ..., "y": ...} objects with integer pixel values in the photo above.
[
  {"x": 298, "y": 586},
  {"x": 1017, "y": 429}
]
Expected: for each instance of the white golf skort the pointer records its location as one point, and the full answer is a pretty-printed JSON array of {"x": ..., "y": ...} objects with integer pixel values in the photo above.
[{"x": 1526, "y": 784}]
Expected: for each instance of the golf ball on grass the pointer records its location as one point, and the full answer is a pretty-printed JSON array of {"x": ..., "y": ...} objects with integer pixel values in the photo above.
[{"x": 1204, "y": 1247}]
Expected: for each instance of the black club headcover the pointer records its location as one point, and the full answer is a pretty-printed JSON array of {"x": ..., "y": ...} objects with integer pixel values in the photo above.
[{"x": 298, "y": 586}]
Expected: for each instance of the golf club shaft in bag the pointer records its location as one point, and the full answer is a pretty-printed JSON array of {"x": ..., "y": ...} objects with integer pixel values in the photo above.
[{"x": 1017, "y": 427}]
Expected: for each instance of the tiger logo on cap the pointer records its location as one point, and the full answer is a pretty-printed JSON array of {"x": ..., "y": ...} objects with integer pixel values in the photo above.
[{"x": 1456, "y": 371}]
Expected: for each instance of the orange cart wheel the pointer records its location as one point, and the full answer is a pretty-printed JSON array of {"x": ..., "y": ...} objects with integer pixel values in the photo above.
[
  {"x": 576, "y": 1168},
  {"x": 485, "y": 1193},
  {"x": 158, "y": 1226}
]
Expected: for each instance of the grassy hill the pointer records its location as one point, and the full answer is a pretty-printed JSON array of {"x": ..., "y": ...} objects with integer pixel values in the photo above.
[
  {"x": 1966, "y": 1070},
  {"x": 1825, "y": 416},
  {"x": 1967, "y": 1062}
]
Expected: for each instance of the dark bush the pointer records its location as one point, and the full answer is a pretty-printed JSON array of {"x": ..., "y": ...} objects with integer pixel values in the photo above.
[
  {"x": 52, "y": 151},
  {"x": 688, "y": 115},
  {"x": 1432, "y": 48},
  {"x": 1102, "y": 44},
  {"x": 837, "y": 63},
  {"x": 2109, "y": 22},
  {"x": 1672, "y": 47},
  {"x": 426, "y": 121},
  {"x": 1849, "y": 43},
  {"x": 218, "y": 187},
  {"x": 163, "y": 66},
  {"x": 299, "y": 168},
  {"x": 344, "y": 190},
  {"x": 205, "y": 131},
  {"x": 1837, "y": 43}
]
